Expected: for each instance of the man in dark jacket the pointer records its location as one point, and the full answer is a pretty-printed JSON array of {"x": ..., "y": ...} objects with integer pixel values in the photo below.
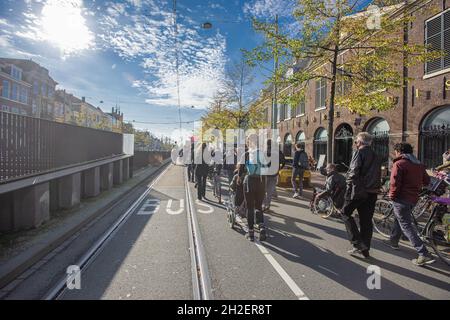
[
  {"x": 363, "y": 185},
  {"x": 408, "y": 176}
]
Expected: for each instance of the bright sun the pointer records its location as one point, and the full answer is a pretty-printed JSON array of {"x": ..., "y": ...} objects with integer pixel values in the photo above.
[{"x": 64, "y": 26}]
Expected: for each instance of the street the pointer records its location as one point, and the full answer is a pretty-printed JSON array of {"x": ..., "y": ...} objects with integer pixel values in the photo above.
[{"x": 304, "y": 257}]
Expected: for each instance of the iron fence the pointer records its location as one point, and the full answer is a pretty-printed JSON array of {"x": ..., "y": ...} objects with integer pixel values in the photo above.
[
  {"x": 434, "y": 141},
  {"x": 30, "y": 146}
]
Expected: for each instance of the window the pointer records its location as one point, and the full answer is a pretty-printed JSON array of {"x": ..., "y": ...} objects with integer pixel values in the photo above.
[
  {"x": 300, "y": 110},
  {"x": 5, "y": 89},
  {"x": 5, "y": 108},
  {"x": 23, "y": 95},
  {"x": 15, "y": 92},
  {"x": 437, "y": 35},
  {"x": 36, "y": 87},
  {"x": 16, "y": 73},
  {"x": 44, "y": 90},
  {"x": 321, "y": 93}
]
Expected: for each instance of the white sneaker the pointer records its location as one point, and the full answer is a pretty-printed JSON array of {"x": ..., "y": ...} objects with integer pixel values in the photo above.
[{"x": 296, "y": 195}]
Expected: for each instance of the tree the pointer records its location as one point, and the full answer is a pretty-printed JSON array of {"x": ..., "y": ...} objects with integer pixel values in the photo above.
[
  {"x": 231, "y": 107},
  {"x": 363, "y": 64}
]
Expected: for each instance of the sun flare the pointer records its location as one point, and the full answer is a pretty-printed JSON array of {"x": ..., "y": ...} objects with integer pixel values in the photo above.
[{"x": 64, "y": 26}]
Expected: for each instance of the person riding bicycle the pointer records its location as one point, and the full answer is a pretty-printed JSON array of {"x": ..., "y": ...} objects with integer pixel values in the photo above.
[
  {"x": 407, "y": 178},
  {"x": 254, "y": 186},
  {"x": 335, "y": 187}
]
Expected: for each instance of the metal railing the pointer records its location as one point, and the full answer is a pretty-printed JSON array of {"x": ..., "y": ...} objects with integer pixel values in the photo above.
[{"x": 30, "y": 146}]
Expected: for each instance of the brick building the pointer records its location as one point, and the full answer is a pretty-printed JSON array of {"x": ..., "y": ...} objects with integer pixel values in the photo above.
[
  {"x": 421, "y": 115},
  {"x": 43, "y": 86}
]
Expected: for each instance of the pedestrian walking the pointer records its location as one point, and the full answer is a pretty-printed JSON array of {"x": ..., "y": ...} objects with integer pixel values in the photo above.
[
  {"x": 254, "y": 186},
  {"x": 299, "y": 165},
  {"x": 408, "y": 176},
  {"x": 272, "y": 180},
  {"x": 191, "y": 165},
  {"x": 363, "y": 184},
  {"x": 201, "y": 171}
]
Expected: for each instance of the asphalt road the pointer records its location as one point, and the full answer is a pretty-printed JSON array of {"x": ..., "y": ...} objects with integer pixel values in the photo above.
[{"x": 304, "y": 256}]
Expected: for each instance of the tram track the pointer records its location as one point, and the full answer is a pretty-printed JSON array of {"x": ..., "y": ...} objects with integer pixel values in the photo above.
[
  {"x": 201, "y": 283},
  {"x": 57, "y": 291}
]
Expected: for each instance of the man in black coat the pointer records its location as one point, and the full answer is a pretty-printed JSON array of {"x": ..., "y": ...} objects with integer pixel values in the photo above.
[{"x": 363, "y": 185}]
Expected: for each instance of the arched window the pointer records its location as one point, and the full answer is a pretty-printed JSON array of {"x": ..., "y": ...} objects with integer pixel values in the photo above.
[
  {"x": 287, "y": 150},
  {"x": 320, "y": 143},
  {"x": 379, "y": 129},
  {"x": 300, "y": 138},
  {"x": 435, "y": 137}
]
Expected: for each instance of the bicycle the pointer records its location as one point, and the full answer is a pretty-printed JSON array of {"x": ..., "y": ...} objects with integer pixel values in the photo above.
[
  {"x": 383, "y": 219},
  {"x": 435, "y": 232}
]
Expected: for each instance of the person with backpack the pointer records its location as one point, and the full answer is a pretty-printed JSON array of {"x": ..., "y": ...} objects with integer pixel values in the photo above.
[
  {"x": 363, "y": 184},
  {"x": 299, "y": 165},
  {"x": 254, "y": 186}
]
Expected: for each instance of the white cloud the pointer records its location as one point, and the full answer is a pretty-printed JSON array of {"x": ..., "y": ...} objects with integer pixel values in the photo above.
[
  {"x": 113, "y": 66},
  {"x": 269, "y": 8},
  {"x": 150, "y": 40}
]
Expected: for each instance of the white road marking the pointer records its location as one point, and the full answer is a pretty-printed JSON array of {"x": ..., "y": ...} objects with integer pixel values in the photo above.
[
  {"x": 172, "y": 212},
  {"x": 150, "y": 203},
  {"x": 210, "y": 209},
  {"x": 278, "y": 268}
]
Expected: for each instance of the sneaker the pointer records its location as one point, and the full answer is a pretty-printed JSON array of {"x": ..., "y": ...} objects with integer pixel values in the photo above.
[
  {"x": 250, "y": 235},
  {"x": 423, "y": 260},
  {"x": 295, "y": 196},
  {"x": 358, "y": 252},
  {"x": 391, "y": 244}
]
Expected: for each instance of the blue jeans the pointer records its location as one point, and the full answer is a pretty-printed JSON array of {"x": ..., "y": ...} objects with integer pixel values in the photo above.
[
  {"x": 404, "y": 223},
  {"x": 271, "y": 185},
  {"x": 297, "y": 172}
]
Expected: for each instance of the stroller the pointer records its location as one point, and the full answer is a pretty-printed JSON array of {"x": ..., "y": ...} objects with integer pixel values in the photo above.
[{"x": 236, "y": 205}]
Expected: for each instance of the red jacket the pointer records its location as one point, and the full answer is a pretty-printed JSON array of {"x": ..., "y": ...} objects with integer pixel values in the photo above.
[{"x": 408, "y": 176}]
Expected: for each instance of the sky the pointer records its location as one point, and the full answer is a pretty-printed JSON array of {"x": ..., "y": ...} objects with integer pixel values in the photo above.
[{"x": 125, "y": 52}]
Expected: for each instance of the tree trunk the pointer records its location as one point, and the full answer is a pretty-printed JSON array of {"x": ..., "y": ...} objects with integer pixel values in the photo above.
[{"x": 330, "y": 154}]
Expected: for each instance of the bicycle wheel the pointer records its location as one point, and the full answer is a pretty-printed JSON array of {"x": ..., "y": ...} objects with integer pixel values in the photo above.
[
  {"x": 383, "y": 217},
  {"x": 423, "y": 206},
  {"x": 439, "y": 239}
]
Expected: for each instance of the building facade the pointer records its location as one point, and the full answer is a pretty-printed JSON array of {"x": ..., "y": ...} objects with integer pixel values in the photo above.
[
  {"x": 15, "y": 92},
  {"x": 43, "y": 86},
  {"x": 421, "y": 115}
]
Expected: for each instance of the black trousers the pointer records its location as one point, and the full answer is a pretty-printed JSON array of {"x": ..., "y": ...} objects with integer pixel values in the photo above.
[
  {"x": 201, "y": 184},
  {"x": 361, "y": 237},
  {"x": 191, "y": 172},
  {"x": 254, "y": 196}
]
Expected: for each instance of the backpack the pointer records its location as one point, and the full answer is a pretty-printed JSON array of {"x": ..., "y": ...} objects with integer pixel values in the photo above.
[{"x": 303, "y": 161}]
